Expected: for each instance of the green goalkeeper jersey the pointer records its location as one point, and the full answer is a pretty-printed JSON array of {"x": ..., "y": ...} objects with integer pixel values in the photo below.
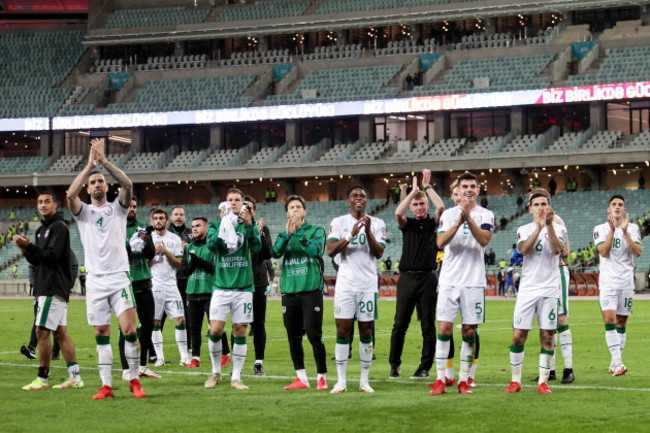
[
  {"x": 234, "y": 270},
  {"x": 302, "y": 263}
]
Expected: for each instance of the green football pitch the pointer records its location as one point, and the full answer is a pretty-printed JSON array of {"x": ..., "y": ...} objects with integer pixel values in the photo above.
[{"x": 178, "y": 402}]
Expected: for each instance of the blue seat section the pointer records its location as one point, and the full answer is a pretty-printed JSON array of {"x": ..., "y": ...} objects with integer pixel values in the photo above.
[
  {"x": 622, "y": 65},
  {"x": 338, "y": 6},
  {"x": 156, "y": 17},
  {"x": 264, "y": 10}
]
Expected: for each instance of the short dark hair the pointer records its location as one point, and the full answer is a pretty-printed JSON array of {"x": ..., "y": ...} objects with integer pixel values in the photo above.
[
  {"x": 294, "y": 198},
  {"x": 252, "y": 200},
  {"x": 158, "y": 210},
  {"x": 178, "y": 207},
  {"x": 202, "y": 218},
  {"x": 467, "y": 176},
  {"x": 539, "y": 192},
  {"x": 353, "y": 187},
  {"x": 134, "y": 198},
  {"x": 616, "y": 196},
  {"x": 235, "y": 191},
  {"x": 55, "y": 199}
]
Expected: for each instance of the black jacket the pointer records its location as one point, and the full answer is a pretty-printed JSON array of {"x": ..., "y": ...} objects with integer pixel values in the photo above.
[
  {"x": 260, "y": 270},
  {"x": 185, "y": 233},
  {"x": 50, "y": 253}
]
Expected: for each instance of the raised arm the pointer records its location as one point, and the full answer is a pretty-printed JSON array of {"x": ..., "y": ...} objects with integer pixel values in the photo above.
[
  {"x": 436, "y": 200},
  {"x": 400, "y": 212},
  {"x": 98, "y": 148},
  {"x": 635, "y": 248},
  {"x": 74, "y": 202}
]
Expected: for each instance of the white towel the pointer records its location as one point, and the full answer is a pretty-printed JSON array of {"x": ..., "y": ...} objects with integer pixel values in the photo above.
[
  {"x": 227, "y": 228},
  {"x": 136, "y": 243}
]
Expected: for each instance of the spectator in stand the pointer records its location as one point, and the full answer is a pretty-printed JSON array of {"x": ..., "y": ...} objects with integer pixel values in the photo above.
[
  {"x": 520, "y": 205},
  {"x": 396, "y": 192},
  {"x": 389, "y": 263},
  {"x": 641, "y": 181},
  {"x": 502, "y": 264},
  {"x": 552, "y": 187},
  {"x": 503, "y": 222},
  {"x": 409, "y": 82},
  {"x": 491, "y": 258}
]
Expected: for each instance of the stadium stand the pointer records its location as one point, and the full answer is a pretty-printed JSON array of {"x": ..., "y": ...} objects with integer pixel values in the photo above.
[
  {"x": 66, "y": 164},
  {"x": 337, "y": 6},
  {"x": 257, "y": 57},
  {"x": 33, "y": 64},
  {"x": 330, "y": 85},
  {"x": 156, "y": 17},
  {"x": 188, "y": 94},
  {"x": 347, "y": 51},
  {"x": 174, "y": 62},
  {"x": 621, "y": 65},
  {"x": 266, "y": 10}
]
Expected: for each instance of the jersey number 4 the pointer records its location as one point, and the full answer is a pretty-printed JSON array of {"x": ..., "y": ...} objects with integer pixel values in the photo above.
[{"x": 100, "y": 222}]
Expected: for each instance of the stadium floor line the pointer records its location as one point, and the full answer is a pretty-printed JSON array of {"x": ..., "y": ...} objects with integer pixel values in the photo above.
[{"x": 410, "y": 382}]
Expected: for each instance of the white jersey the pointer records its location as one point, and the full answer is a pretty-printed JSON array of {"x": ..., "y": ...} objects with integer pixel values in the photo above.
[
  {"x": 617, "y": 270},
  {"x": 464, "y": 263},
  {"x": 540, "y": 273},
  {"x": 163, "y": 275},
  {"x": 103, "y": 230},
  {"x": 357, "y": 267}
]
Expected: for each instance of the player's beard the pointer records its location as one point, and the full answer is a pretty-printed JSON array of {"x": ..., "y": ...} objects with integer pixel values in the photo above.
[
  {"x": 99, "y": 195},
  {"x": 130, "y": 218}
]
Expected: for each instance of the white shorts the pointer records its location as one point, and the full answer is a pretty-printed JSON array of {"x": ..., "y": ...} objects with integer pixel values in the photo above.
[
  {"x": 469, "y": 300},
  {"x": 359, "y": 305},
  {"x": 52, "y": 312},
  {"x": 527, "y": 307},
  {"x": 238, "y": 304},
  {"x": 100, "y": 304},
  {"x": 168, "y": 301},
  {"x": 563, "y": 303},
  {"x": 619, "y": 300}
]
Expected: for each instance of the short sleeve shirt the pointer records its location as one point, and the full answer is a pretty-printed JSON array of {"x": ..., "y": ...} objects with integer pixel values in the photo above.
[
  {"x": 540, "y": 274},
  {"x": 358, "y": 267},
  {"x": 162, "y": 273},
  {"x": 464, "y": 263},
  {"x": 617, "y": 270}
]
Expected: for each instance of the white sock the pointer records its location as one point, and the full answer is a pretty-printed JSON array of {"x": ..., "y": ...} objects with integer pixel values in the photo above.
[
  {"x": 132, "y": 354},
  {"x": 321, "y": 375},
  {"x": 73, "y": 371},
  {"x": 259, "y": 361},
  {"x": 181, "y": 342},
  {"x": 544, "y": 367},
  {"x": 341, "y": 353},
  {"x": 198, "y": 358},
  {"x": 449, "y": 371},
  {"x": 157, "y": 340},
  {"x": 215, "y": 348},
  {"x": 365, "y": 354},
  {"x": 566, "y": 346},
  {"x": 554, "y": 351},
  {"x": 622, "y": 336},
  {"x": 238, "y": 358},
  {"x": 442, "y": 352},
  {"x": 516, "y": 362},
  {"x": 105, "y": 363},
  {"x": 472, "y": 372},
  {"x": 302, "y": 375},
  {"x": 466, "y": 359},
  {"x": 614, "y": 345}
]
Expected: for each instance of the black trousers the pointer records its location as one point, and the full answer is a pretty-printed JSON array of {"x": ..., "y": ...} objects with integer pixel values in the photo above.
[
  {"x": 303, "y": 312},
  {"x": 197, "y": 307},
  {"x": 415, "y": 289},
  {"x": 259, "y": 321},
  {"x": 145, "y": 308},
  {"x": 182, "y": 288}
]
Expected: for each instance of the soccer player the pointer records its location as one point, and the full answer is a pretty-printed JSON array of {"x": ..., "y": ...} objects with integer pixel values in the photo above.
[
  {"x": 261, "y": 282},
  {"x": 102, "y": 227},
  {"x": 360, "y": 239},
  {"x": 169, "y": 251},
  {"x": 417, "y": 282},
  {"x": 177, "y": 226},
  {"x": 139, "y": 254},
  {"x": 464, "y": 231},
  {"x": 618, "y": 243},
  {"x": 50, "y": 255},
  {"x": 234, "y": 240},
  {"x": 197, "y": 267},
  {"x": 301, "y": 247},
  {"x": 540, "y": 243}
]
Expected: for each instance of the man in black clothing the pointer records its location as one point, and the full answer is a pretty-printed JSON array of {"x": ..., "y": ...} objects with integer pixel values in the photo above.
[
  {"x": 140, "y": 249},
  {"x": 261, "y": 282},
  {"x": 177, "y": 226},
  {"x": 51, "y": 256},
  {"x": 417, "y": 283}
]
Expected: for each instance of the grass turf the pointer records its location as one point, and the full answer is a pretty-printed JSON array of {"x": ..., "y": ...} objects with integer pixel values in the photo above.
[{"x": 178, "y": 401}]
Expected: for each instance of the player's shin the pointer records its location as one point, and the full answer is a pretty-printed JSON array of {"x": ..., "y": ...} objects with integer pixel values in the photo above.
[
  {"x": 341, "y": 353},
  {"x": 545, "y": 357},
  {"x": 466, "y": 358},
  {"x": 442, "y": 351},
  {"x": 516, "y": 362},
  {"x": 239, "y": 349},
  {"x": 132, "y": 354},
  {"x": 215, "y": 347},
  {"x": 104, "y": 359},
  {"x": 365, "y": 354}
]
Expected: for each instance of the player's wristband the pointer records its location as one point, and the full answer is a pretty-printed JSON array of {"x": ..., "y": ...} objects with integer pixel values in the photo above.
[
  {"x": 349, "y": 238},
  {"x": 428, "y": 187}
]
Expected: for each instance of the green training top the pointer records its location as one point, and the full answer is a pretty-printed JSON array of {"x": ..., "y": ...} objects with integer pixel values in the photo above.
[
  {"x": 199, "y": 282},
  {"x": 302, "y": 263},
  {"x": 139, "y": 266},
  {"x": 234, "y": 271}
]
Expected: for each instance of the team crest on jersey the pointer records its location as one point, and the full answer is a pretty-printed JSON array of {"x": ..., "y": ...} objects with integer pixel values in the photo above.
[
  {"x": 169, "y": 244},
  {"x": 478, "y": 219},
  {"x": 107, "y": 210}
]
